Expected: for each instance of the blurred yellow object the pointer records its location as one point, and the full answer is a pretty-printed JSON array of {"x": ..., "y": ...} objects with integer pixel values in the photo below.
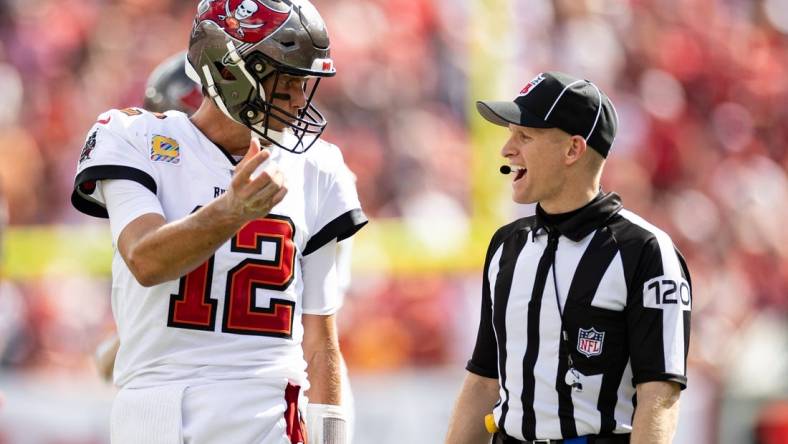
[
  {"x": 32, "y": 252},
  {"x": 36, "y": 251},
  {"x": 489, "y": 423}
]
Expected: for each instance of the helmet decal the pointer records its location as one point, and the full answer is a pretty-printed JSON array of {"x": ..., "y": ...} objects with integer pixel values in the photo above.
[{"x": 249, "y": 21}]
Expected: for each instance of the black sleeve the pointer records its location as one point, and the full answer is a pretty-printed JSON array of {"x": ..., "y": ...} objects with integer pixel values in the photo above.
[
  {"x": 484, "y": 361},
  {"x": 85, "y": 184},
  {"x": 340, "y": 229},
  {"x": 658, "y": 314}
]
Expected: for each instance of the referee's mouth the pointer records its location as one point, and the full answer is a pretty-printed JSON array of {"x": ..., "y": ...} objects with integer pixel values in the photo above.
[{"x": 520, "y": 173}]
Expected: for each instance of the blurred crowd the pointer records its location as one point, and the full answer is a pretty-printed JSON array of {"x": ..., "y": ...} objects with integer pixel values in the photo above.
[
  {"x": 398, "y": 98},
  {"x": 701, "y": 88}
]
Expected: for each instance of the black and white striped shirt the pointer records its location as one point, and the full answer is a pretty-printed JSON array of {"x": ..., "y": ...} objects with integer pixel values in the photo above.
[{"x": 624, "y": 291}]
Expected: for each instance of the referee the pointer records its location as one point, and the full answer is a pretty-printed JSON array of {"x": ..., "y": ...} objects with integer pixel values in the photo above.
[{"x": 585, "y": 313}]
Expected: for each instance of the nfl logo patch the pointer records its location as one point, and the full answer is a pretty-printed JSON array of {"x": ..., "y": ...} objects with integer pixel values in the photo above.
[
  {"x": 589, "y": 342},
  {"x": 164, "y": 149},
  {"x": 532, "y": 84}
]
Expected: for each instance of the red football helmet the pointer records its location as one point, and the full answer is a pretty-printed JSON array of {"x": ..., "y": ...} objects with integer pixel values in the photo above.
[
  {"x": 169, "y": 87},
  {"x": 237, "y": 44}
]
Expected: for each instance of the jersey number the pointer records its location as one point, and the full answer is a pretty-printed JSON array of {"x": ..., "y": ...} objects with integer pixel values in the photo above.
[
  {"x": 661, "y": 292},
  {"x": 194, "y": 308}
]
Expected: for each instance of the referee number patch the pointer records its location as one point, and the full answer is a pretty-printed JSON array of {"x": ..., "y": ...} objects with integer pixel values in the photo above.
[{"x": 663, "y": 292}]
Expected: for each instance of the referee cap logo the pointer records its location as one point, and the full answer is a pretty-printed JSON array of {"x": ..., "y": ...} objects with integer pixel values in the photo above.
[
  {"x": 532, "y": 84},
  {"x": 589, "y": 342},
  {"x": 556, "y": 100}
]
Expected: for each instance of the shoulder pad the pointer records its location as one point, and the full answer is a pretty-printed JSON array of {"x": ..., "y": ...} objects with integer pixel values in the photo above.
[
  {"x": 326, "y": 157},
  {"x": 122, "y": 120}
]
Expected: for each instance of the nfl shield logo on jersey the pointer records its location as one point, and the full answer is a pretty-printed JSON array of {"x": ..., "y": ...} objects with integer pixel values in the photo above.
[{"x": 589, "y": 342}]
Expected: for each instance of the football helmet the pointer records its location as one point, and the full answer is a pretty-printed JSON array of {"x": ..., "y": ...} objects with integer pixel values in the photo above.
[
  {"x": 237, "y": 44},
  {"x": 169, "y": 87}
]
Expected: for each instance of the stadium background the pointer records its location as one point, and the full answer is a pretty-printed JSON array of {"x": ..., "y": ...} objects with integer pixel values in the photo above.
[{"x": 702, "y": 90}]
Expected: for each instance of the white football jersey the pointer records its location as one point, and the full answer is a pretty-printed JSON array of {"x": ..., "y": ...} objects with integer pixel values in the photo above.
[{"x": 239, "y": 314}]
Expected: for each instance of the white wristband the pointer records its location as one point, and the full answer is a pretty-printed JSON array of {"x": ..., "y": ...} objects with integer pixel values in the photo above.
[{"x": 326, "y": 424}]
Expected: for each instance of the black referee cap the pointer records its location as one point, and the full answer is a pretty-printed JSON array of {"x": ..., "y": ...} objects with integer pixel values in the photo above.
[{"x": 557, "y": 100}]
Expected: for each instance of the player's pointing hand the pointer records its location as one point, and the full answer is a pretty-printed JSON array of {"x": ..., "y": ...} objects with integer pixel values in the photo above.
[{"x": 252, "y": 194}]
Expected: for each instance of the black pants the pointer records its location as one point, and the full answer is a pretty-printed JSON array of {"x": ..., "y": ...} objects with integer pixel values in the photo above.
[{"x": 501, "y": 438}]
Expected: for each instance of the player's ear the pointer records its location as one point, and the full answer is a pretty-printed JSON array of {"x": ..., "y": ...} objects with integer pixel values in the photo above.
[{"x": 575, "y": 150}]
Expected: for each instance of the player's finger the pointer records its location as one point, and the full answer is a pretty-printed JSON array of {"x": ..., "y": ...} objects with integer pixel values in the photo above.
[
  {"x": 270, "y": 175},
  {"x": 254, "y": 148},
  {"x": 279, "y": 195},
  {"x": 268, "y": 189},
  {"x": 246, "y": 169},
  {"x": 265, "y": 193},
  {"x": 265, "y": 206},
  {"x": 268, "y": 198}
]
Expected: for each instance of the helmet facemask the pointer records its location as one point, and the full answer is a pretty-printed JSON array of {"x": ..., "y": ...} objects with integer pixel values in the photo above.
[{"x": 260, "y": 111}]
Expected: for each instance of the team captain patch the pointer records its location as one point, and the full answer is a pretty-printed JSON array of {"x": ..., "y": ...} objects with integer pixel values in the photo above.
[
  {"x": 164, "y": 149},
  {"x": 589, "y": 342}
]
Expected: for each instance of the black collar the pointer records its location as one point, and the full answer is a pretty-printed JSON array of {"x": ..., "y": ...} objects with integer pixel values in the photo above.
[{"x": 585, "y": 220}]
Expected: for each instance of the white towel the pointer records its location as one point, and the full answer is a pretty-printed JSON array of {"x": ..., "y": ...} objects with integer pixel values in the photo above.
[{"x": 148, "y": 415}]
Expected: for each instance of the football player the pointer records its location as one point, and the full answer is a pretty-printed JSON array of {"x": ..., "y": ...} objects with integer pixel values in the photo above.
[
  {"x": 169, "y": 88},
  {"x": 222, "y": 273}
]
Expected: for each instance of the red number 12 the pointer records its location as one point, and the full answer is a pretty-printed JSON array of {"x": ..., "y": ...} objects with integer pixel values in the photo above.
[{"x": 193, "y": 307}]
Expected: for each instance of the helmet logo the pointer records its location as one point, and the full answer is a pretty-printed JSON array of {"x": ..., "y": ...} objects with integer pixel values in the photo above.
[
  {"x": 247, "y": 20},
  {"x": 245, "y": 10}
]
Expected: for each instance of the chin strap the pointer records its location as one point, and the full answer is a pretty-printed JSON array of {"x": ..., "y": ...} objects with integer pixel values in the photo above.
[{"x": 326, "y": 424}]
